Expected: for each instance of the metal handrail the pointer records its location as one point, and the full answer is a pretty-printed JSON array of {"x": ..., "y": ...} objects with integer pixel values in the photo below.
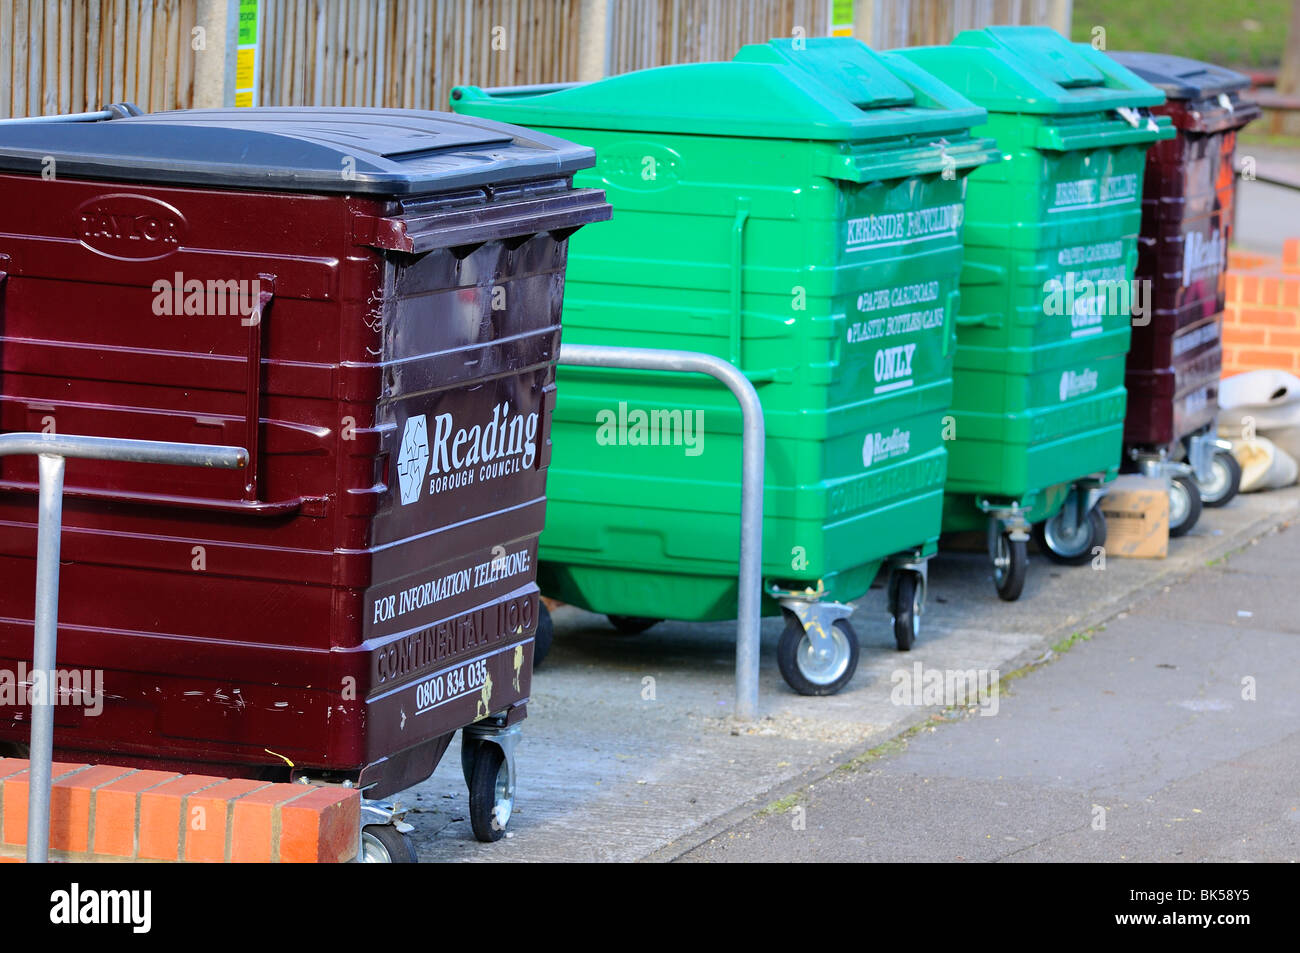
[
  {"x": 51, "y": 451},
  {"x": 753, "y": 437}
]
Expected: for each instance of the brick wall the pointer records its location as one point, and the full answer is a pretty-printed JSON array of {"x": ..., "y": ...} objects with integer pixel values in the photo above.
[
  {"x": 1261, "y": 321},
  {"x": 102, "y": 812}
]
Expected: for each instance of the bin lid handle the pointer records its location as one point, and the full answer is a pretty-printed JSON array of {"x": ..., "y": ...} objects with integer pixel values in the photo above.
[{"x": 1134, "y": 118}]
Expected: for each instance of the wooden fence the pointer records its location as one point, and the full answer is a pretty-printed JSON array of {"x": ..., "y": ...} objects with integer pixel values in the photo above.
[
  {"x": 412, "y": 52},
  {"x": 924, "y": 22},
  {"x": 649, "y": 33},
  {"x": 75, "y": 55},
  {"x": 60, "y": 56}
]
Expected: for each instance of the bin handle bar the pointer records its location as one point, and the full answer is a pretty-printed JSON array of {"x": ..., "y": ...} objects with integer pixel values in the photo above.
[
  {"x": 111, "y": 111},
  {"x": 129, "y": 451},
  {"x": 536, "y": 89},
  {"x": 98, "y": 116},
  {"x": 51, "y": 450},
  {"x": 753, "y": 437}
]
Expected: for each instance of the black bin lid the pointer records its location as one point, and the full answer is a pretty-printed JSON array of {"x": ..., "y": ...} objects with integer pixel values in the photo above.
[
  {"x": 1181, "y": 78},
  {"x": 300, "y": 149}
]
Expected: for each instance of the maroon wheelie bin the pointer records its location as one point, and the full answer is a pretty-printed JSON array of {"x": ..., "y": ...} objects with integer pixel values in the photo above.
[
  {"x": 369, "y": 302},
  {"x": 1176, "y": 354}
]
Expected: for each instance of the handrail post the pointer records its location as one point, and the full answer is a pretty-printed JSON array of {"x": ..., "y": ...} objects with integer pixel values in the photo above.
[
  {"x": 753, "y": 437},
  {"x": 44, "y": 650}
]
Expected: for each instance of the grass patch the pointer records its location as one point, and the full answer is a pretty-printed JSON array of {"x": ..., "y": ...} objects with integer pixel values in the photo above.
[
  {"x": 781, "y": 806},
  {"x": 1071, "y": 640},
  {"x": 1246, "y": 138},
  {"x": 1242, "y": 34},
  {"x": 894, "y": 745}
]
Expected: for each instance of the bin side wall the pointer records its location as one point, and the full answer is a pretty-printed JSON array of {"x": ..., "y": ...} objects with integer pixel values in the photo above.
[{"x": 236, "y": 624}]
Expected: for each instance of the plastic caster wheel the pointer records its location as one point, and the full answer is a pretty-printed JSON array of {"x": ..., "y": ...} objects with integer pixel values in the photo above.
[
  {"x": 385, "y": 844},
  {"x": 1184, "y": 505},
  {"x": 631, "y": 624},
  {"x": 1224, "y": 482},
  {"x": 491, "y": 795},
  {"x": 1010, "y": 562},
  {"x": 809, "y": 672},
  {"x": 1071, "y": 549},
  {"x": 906, "y": 610},
  {"x": 545, "y": 635}
]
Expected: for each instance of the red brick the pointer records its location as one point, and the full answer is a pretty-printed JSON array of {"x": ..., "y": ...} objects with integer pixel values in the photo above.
[
  {"x": 1244, "y": 261},
  {"x": 321, "y": 827},
  {"x": 1290, "y": 292},
  {"x": 1268, "y": 290},
  {"x": 207, "y": 819},
  {"x": 1241, "y": 334},
  {"x": 1291, "y": 253},
  {"x": 1260, "y": 358},
  {"x": 160, "y": 815},
  {"x": 1287, "y": 339},
  {"x": 1232, "y": 286},
  {"x": 117, "y": 811},
  {"x": 1249, "y": 293},
  {"x": 1272, "y": 317},
  {"x": 70, "y": 806},
  {"x": 16, "y": 788},
  {"x": 256, "y": 821}
]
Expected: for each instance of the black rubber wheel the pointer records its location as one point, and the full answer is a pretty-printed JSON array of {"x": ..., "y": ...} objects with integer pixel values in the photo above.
[
  {"x": 1184, "y": 505},
  {"x": 809, "y": 674},
  {"x": 1224, "y": 482},
  {"x": 906, "y": 610},
  {"x": 491, "y": 799},
  {"x": 385, "y": 844},
  {"x": 1009, "y": 567},
  {"x": 631, "y": 624},
  {"x": 545, "y": 635},
  {"x": 1075, "y": 549}
]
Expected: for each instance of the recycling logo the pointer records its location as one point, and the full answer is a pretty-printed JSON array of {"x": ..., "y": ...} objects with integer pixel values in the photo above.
[{"x": 413, "y": 458}]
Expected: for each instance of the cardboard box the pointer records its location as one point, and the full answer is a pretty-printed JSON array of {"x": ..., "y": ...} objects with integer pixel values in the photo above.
[{"x": 1137, "y": 517}]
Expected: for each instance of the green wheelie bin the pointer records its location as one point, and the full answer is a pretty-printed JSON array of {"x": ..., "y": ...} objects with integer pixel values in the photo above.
[
  {"x": 797, "y": 212},
  {"x": 1046, "y": 290}
]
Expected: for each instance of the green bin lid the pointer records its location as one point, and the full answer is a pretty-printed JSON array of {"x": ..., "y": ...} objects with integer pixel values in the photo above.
[
  {"x": 831, "y": 90},
  {"x": 847, "y": 66},
  {"x": 1033, "y": 69}
]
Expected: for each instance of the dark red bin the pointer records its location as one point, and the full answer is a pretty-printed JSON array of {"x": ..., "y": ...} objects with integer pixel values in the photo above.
[
  {"x": 1175, "y": 360},
  {"x": 366, "y": 588}
]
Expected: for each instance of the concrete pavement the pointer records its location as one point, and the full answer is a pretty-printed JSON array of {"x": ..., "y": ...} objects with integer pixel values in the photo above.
[
  {"x": 615, "y": 767},
  {"x": 1267, "y": 213},
  {"x": 1173, "y": 734}
]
